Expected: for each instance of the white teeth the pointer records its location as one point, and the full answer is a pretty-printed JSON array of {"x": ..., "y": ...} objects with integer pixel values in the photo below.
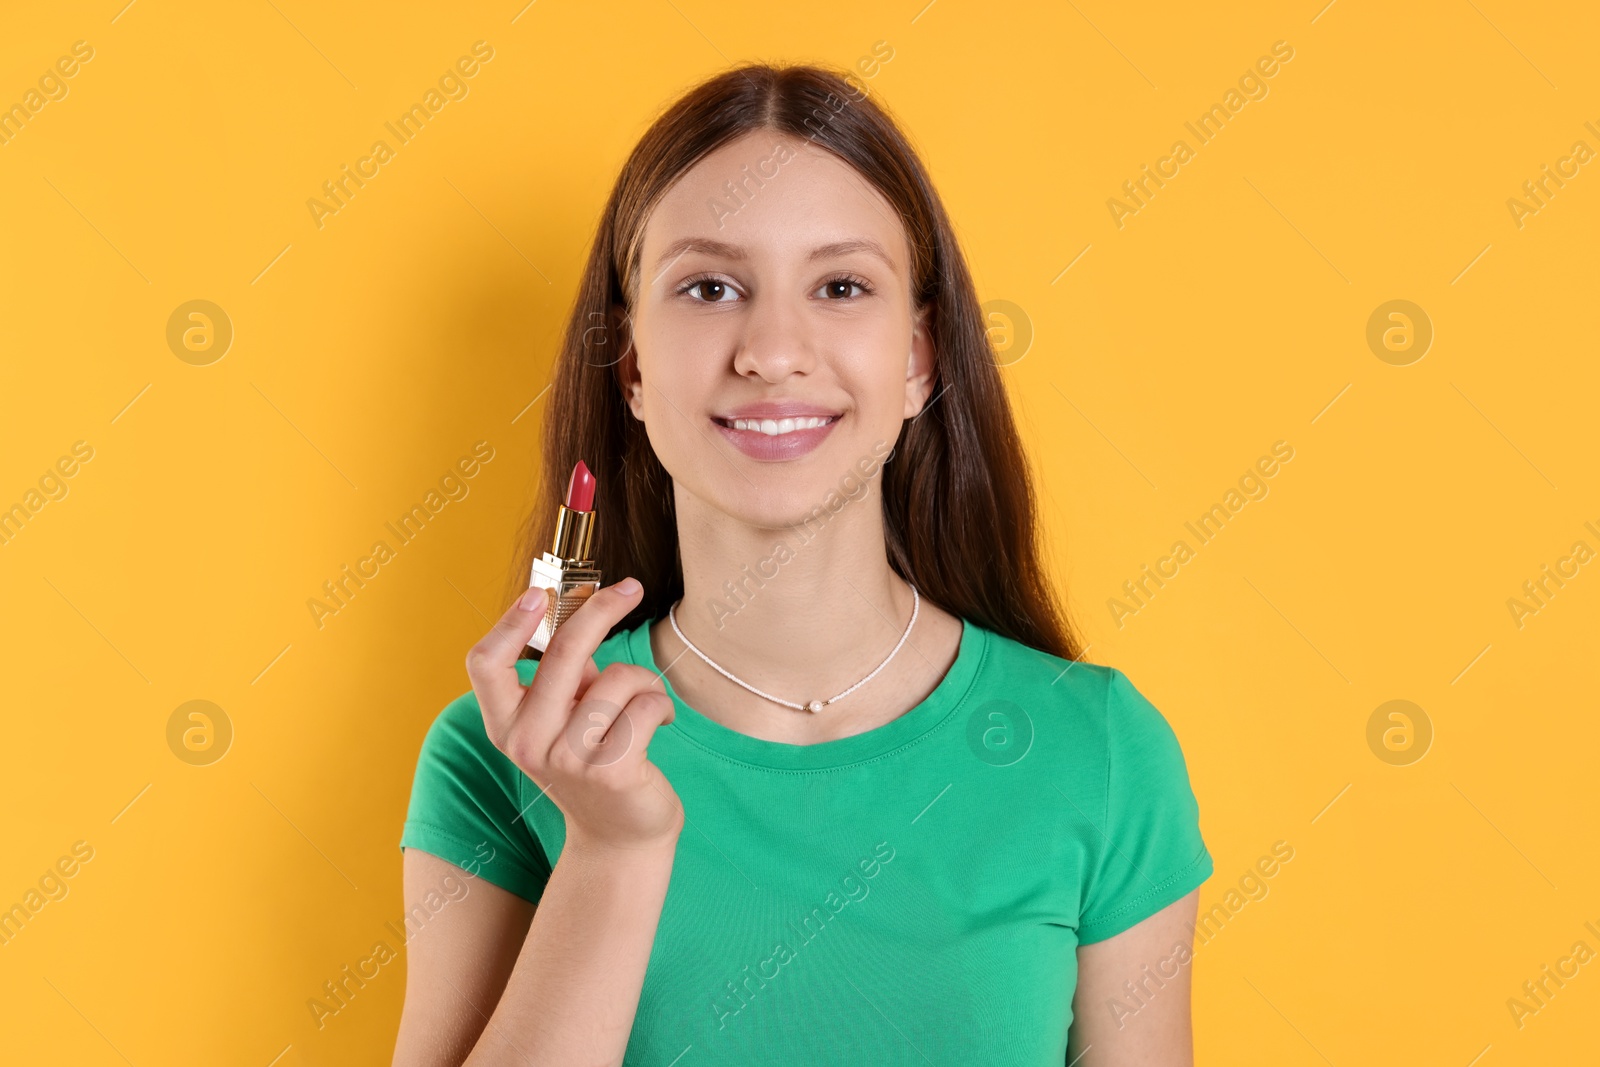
[{"x": 774, "y": 427}]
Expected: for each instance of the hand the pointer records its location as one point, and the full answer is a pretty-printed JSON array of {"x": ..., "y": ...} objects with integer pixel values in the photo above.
[{"x": 580, "y": 733}]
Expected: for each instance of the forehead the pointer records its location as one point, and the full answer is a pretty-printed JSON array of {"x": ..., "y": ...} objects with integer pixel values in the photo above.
[{"x": 772, "y": 195}]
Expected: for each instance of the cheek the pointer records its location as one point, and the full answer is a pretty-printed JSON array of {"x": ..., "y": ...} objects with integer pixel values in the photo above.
[
  {"x": 879, "y": 390},
  {"x": 667, "y": 405},
  {"x": 870, "y": 361},
  {"x": 675, "y": 392}
]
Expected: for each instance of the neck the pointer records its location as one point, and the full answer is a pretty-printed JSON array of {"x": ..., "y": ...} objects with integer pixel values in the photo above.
[{"x": 799, "y": 612}]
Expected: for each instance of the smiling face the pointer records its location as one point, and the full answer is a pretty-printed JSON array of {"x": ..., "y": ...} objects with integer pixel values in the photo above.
[{"x": 774, "y": 341}]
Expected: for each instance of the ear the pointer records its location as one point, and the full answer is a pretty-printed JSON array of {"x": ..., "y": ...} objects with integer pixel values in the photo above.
[
  {"x": 627, "y": 362},
  {"x": 919, "y": 365}
]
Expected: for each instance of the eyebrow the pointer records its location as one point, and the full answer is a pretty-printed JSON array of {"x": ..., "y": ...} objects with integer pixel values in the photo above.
[{"x": 722, "y": 249}]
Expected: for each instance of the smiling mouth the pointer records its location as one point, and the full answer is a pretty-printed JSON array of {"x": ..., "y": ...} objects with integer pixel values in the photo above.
[{"x": 776, "y": 427}]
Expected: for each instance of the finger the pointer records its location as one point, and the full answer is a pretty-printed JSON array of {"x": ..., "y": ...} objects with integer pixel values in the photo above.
[
  {"x": 597, "y": 709},
  {"x": 645, "y": 713},
  {"x": 590, "y": 673},
  {"x": 492, "y": 662},
  {"x": 618, "y": 683},
  {"x": 603, "y": 734},
  {"x": 636, "y": 727},
  {"x": 562, "y": 668}
]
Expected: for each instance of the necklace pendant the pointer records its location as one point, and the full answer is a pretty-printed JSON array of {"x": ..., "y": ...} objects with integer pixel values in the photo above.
[{"x": 814, "y": 707}]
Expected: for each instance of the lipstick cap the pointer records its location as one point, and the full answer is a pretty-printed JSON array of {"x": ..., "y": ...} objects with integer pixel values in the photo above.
[{"x": 574, "y": 532}]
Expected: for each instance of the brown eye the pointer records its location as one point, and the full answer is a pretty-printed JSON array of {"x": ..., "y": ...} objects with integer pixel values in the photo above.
[
  {"x": 709, "y": 290},
  {"x": 840, "y": 288}
]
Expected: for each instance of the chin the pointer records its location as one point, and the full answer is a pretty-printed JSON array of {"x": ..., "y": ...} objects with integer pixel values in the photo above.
[
  {"x": 810, "y": 492},
  {"x": 774, "y": 507}
]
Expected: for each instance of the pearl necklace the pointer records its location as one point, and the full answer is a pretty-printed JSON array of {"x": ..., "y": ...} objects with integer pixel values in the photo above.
[{"x": 815, "y": 705}]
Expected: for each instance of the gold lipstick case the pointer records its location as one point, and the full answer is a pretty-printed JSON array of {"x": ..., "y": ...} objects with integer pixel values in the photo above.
[{"x": 566, "y": 572}]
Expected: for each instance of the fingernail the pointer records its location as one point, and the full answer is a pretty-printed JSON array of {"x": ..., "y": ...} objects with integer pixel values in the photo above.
[
  {"x": 628, "y": 586},
  {"x": 532, "y": 599}
]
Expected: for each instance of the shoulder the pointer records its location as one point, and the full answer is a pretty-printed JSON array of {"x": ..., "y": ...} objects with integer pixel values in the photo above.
[
  {"x": 1032, "y": 677},
  {"x": 1085, "y": 700}
]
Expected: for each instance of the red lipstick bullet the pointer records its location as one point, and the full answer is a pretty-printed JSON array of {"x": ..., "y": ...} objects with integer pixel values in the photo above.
[
  {"x": 567, "y": 572},
  {"x": 580, "y": 489}
]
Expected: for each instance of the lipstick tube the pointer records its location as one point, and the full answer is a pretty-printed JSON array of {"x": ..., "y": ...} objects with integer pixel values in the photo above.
[{"x": 567, "y": 571}]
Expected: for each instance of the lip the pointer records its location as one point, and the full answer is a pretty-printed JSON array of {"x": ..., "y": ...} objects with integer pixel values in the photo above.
[
  {"x": 779, "y": 447},
  {"x": 778, "y": 409}
]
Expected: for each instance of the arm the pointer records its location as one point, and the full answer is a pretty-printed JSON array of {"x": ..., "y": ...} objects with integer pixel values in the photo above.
[
  {"x": 561, "y": 989},
  {"x": 1149, "y": 1027},
  {"x": 575, "y": 988},
  {"x": 493, "y": 979},
  {"x": 456, "y": 965}
]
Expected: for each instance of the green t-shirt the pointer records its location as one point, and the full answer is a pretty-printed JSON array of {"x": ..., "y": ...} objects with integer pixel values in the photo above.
[{"x": 909, "y": 895}]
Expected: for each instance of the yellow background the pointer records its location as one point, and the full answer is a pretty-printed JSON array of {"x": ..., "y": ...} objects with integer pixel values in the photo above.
[{"x": 369, "y": 354}]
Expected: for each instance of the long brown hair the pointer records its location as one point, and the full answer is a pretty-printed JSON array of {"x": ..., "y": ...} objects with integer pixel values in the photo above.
[{"x": 959, "y": 511}]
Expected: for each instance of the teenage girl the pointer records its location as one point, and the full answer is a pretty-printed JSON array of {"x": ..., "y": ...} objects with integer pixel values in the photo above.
[{"x": 822, "y": 779}]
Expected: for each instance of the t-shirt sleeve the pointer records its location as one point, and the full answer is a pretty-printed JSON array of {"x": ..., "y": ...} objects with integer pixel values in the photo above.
[
  {"x": 465, "y": 804},
  {"x": 1151, "y": 853}
]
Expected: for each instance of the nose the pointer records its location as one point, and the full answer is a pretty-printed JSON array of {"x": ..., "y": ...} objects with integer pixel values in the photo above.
[{"x": 776, "y": 342}]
